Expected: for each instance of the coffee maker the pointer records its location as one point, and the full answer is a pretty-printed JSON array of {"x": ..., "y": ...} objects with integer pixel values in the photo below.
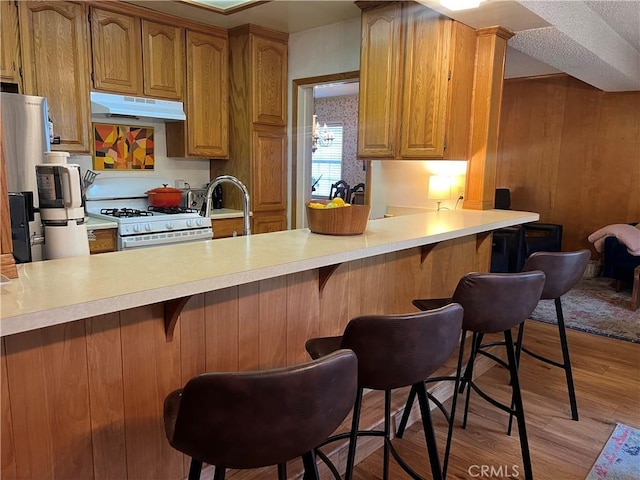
[{"x": 61, "y": 207}]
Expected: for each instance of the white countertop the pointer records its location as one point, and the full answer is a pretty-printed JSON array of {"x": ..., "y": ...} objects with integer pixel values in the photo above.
[
  {"x": 94, "y": 223},
  {"x": 220, "y": 213},
  {"x": 59, "y": 291}
]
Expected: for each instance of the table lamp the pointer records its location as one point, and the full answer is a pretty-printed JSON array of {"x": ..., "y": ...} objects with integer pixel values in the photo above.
[{"x": 439, "y": 188}]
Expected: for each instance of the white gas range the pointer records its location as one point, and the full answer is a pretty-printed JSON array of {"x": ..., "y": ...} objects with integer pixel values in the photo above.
[{"x": 123, "y": 200}]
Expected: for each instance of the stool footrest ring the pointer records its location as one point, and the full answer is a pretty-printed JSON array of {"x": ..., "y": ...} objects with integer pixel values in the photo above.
[{"x": 543, "y": 359}]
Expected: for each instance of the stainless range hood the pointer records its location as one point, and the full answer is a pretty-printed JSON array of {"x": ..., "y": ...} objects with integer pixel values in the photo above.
[{"x": 112, "y": 105}]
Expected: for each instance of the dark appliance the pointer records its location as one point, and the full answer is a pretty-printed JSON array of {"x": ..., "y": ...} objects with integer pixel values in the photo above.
[
  {"x": 21, "y": 208},
  {"x": 216, "y": 198}
]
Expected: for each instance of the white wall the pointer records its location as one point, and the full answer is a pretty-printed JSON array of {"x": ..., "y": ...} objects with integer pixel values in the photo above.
[
  {"x": 194, "y": 171},
  {"x": 312, "y": 53},
  {"x": 405, "y": 184}
]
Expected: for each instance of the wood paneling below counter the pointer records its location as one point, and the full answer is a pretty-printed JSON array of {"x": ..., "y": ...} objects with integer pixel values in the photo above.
[{"x": 84, "y": 399}]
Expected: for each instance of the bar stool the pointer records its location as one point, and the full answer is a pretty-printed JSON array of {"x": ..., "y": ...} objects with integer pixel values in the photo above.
[
  {"x": 493, "y": 303},
  {"x": 563, "y": 270},
  {"x": 255, "y": 419},
  {"x": 395, "y": 351}
]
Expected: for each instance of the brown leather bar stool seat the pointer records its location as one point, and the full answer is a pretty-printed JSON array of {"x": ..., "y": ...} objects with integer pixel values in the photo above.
[
  {"x": 563, "y": 270},
  {"x": 256, "y": 419},
  {"x": 493, "y": 303},
  {"x": 395, "y": 351}
]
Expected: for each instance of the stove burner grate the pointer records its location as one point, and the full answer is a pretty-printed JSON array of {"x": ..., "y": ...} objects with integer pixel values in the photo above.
[
  {"x": 125, "y": 212},
  {"x": 170, "y": 210}
]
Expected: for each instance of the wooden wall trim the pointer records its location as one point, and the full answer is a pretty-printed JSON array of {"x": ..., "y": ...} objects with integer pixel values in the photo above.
[
  {"x": 487, "y": 99},
  {"x": 258, "y": 30},
  {"x": 148, "y": 14},
  {"x": 497, "y": 31}
]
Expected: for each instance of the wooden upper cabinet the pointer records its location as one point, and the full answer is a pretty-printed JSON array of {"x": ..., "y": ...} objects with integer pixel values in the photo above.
[
  {"x": 207, "y": 90},
  {"x": 379, "y": 81},
  {"x": 405, "y": 76},
  {"x": 462, "y": 61},
  {"x": 269, "y": 80},
  {"x": 10, "y": 39},
  {"x": 163, "y": 55},
  {"x": 117, "y": 52},
  {"x": 56, "y": 65},
  {"x": 425, "y": 82}
]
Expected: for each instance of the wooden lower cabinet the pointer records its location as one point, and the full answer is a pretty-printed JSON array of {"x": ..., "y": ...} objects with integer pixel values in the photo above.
[
  {"x": 267, "y": 222},
  {"x": 84, "y": 399},
  {"x": 102, "y": 241},
  {"x": 227, "y": 227}
]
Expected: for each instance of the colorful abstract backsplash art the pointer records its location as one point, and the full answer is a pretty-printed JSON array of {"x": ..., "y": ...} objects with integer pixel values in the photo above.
[{"x": 122, "y": 147}]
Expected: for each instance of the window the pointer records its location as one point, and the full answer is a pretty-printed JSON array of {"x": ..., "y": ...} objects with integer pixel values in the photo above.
[{"x": 326, "y": 163}]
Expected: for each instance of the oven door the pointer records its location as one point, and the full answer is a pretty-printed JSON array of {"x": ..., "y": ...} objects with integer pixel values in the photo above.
[{"x": 166, "y": 238}]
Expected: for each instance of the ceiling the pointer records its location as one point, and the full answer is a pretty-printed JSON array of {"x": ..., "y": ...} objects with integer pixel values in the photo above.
[{"x": 596, "y": 41}]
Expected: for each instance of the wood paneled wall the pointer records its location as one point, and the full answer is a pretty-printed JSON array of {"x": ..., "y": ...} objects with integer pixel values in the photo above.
[
  {"x": 570, "y": 152},
  {"x": 85, "y": 399}
]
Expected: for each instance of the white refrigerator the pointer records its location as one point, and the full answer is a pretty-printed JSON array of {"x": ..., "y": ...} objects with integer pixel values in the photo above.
[{"x": 25, "y": 137}]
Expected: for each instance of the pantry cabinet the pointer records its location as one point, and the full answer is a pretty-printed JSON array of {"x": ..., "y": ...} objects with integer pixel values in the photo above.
[
  {"x": 205, "y": 133},
  {"x": 269, "y": 81},
  {"x": 410, "y": 51},
  {"x": 9, "y": 43},
  {"x": 55, "y": 49},
  {"x": 268, "y": 168},
  {"x": 258, "y": 119}
]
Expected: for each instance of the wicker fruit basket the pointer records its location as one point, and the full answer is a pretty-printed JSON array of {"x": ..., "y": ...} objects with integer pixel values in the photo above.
[{"x": 351, "y": 220}]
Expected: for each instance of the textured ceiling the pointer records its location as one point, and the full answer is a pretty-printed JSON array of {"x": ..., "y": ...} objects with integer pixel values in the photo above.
[{"x": 596, "y": 41}]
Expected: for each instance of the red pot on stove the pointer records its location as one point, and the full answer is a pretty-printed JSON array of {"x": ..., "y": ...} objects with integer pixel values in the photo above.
[{"x": 164, "y": 196}]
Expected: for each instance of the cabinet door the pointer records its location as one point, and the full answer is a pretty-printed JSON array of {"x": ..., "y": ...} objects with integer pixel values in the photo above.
[
  {"x": 117, "y": 54},
  {"x": 10, "y": 48},
  {"x": 163, "y": 54},
  {"x": 269, "y": 81},
  {"x": 227, "y": 227},
  {"x": 207, "y": 95},
  {"x": 7, "y": 262},
  {"x": 379, "y": 81},
  {"x": 425, "y": 83},
  {"x": 103, "y": 241},
  {"x": 56, "y": 65},
  {"x": 267, "y": 223},
  {"x": 268, "y": 185}
]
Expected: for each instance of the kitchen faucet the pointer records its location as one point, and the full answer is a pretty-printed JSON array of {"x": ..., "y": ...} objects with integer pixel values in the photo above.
[{"x": 206, "y": 207}]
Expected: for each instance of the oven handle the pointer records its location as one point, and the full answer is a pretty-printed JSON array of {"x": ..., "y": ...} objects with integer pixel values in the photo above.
[{"x": 139, "y": 241}]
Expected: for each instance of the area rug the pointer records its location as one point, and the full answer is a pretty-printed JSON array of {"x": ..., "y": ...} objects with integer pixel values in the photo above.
[
  {"x": 594, "y": 306},
  {"x": 620, "y": 457}
]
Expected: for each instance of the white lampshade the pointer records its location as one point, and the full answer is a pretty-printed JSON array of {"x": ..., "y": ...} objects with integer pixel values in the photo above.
[{"x": 439, "y": 187}]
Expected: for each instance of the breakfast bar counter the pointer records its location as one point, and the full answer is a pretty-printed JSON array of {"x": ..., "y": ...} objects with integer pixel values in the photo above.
[
  {"x": 60, "y": 291},
  {"x": 91, "y": 346}
]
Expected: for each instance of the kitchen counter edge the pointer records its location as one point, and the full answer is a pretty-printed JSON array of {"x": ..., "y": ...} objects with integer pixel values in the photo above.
[{"x": 111, "y": 282}]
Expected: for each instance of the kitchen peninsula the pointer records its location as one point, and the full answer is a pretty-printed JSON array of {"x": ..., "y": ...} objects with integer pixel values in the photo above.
[{"x": 87, "y": 356}]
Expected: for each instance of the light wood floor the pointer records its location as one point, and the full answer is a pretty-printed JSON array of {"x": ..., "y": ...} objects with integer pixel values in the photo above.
[{"x": 607, "y": 380}]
